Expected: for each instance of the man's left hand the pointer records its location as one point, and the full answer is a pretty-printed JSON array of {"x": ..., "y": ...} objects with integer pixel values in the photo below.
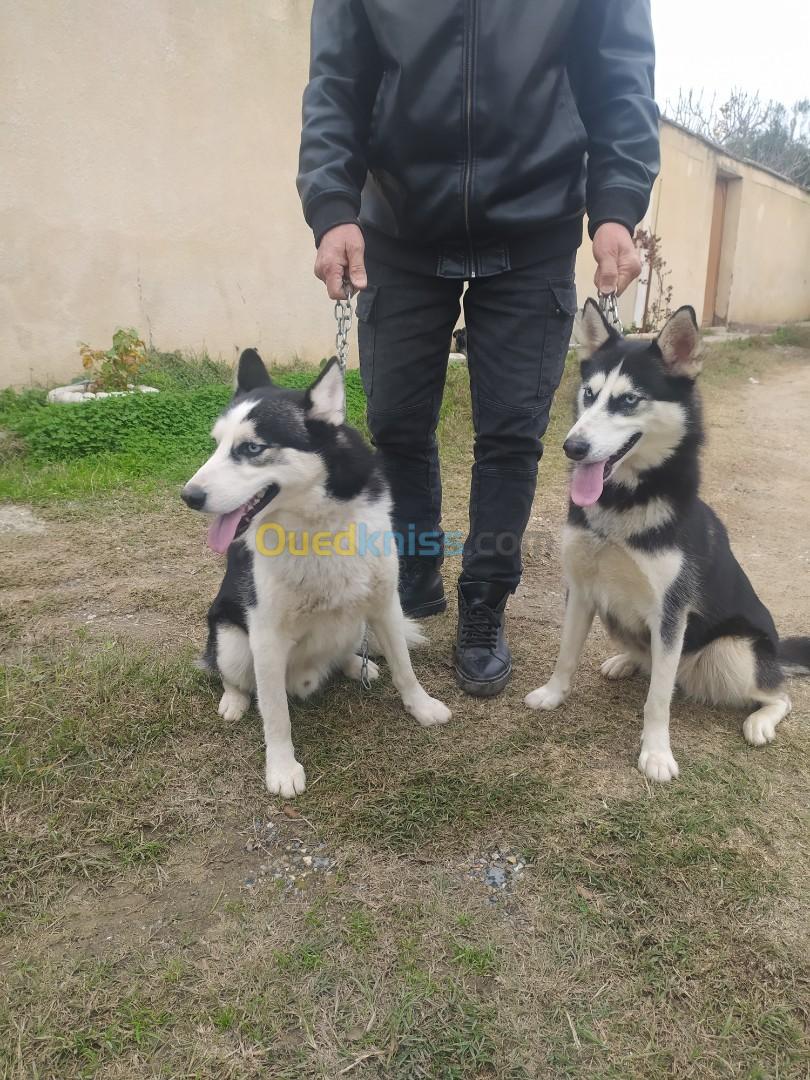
[{"x": 617, "y": 261}]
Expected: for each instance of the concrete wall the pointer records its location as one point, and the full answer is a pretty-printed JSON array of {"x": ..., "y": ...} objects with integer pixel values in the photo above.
[
  {"x": 149, "y": 152},
  {"x": 771, "y": 275},
  {"x": 765, "y": 261}
]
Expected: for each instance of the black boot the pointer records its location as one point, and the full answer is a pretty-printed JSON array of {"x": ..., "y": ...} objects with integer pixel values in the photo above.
[
  {"x": 421, "y": 590},
  {"x": 483, "y": 659}
]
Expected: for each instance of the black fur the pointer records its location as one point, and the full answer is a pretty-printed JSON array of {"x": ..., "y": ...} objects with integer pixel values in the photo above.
[
  {"x": 236, "y": 594},
  {"x": 251, "y": 373},
  {"x": 281, "y": 418},
  {"x": 712, "y": 583},
  {"x": 794, "y": 652}
]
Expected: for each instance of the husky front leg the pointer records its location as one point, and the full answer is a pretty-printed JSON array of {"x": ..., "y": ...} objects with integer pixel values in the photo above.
[
  {"x": 389, "y": 627},
  {"x": 271, "y": 650},
  {"x": 656, "y": 760},
  {"x": 579, "y": 613}
]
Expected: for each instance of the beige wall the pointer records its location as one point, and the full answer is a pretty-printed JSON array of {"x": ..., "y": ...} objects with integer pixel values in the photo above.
[
  {"x": 149, "y": 153},
  {"x": 771, "y": 277},
  {"x": 765, "y": 261}
]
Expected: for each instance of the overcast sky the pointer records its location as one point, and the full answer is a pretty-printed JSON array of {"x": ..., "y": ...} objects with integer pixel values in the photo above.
[{"x": 759, "y": 45}]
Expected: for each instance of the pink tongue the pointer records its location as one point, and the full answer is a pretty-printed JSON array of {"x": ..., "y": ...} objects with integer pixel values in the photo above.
[
  {"x": 222, "y": 530},
  {"x": 587, "y": 482}
]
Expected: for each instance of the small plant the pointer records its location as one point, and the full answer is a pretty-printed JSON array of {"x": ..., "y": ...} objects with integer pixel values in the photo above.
[
  {"x": 659, "y": 303},
  {"x": 118, "y": 367}
]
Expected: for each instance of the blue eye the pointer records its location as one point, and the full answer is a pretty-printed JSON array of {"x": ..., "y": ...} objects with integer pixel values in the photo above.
[
  {"x": 630, "y": 400},
  {"x": 588, "y": 395},
  {"x": 251, "y": 449}
]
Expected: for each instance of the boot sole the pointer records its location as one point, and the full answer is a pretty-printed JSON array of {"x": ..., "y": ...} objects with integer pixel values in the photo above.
[
  {"x": 424, "y": 611},
  {"x": 476, "y": 688}
]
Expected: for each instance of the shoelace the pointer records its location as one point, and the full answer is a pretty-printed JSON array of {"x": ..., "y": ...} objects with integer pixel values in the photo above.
[{"x": 479, "y": 627}]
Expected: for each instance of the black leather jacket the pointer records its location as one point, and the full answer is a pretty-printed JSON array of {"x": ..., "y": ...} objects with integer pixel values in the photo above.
[{"x": 479, "y": 131}]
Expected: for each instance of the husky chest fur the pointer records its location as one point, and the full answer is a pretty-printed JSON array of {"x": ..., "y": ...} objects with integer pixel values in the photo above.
[
  {"x": 296, "y": 494},
  {"x": 642, "y": 551}
]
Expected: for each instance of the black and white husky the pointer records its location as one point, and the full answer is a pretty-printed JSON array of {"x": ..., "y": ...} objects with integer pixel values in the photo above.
[
  {"x": 643, "y": 552},
  {"x": 297, "y": 600}
]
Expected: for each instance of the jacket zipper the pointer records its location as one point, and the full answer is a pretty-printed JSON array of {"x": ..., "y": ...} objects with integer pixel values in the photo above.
[{"x": 468, "y": 88}]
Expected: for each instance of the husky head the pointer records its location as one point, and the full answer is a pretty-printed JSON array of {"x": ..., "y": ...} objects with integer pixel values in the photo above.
[
  {"x": 635, "y": 405},
  {"x": 290, "y": 448}
]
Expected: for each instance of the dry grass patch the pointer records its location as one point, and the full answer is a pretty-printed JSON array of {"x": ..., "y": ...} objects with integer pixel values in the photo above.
[{"x": 654, "y": 931}]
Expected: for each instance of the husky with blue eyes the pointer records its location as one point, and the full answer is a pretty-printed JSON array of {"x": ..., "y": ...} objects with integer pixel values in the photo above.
[
  {"x": 291, "y": 489},
  {"x": 642, "y": 551}
]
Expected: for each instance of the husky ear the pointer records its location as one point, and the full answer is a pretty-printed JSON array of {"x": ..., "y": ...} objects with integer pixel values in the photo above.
[
  {"x": 596, "y": 330},
  {"x": 326, "y": 398},
  {"x": 679, "y": 344},
  {"x": 251, "y": 373}
]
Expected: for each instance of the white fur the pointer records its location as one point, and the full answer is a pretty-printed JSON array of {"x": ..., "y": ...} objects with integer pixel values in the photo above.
[
  {"x": 626, "y": 523},
  {"x": 680, "y": 344},
  {"x": 662, "y": 425},
  {"x": 628, "y": 587},
  {"x": 312, "y": 610},
  {"x": 593, "y": 329},
  {"x": 328, "y": 397}
]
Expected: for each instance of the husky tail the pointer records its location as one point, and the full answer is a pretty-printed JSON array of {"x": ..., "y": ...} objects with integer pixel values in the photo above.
[
  {"x": 413, "y": 635},
  {"x": 207, "y": 662},
  {"x": 794, "y": 655}
]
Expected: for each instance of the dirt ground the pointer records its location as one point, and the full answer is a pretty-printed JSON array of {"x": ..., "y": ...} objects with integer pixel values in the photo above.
[
  {"x": 148, "y": 572},
  {"x": 485, "y": 853}
]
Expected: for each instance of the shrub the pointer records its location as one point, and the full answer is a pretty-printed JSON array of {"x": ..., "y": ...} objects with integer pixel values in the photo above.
[
  {"x": 118, "y": 367},
  {"x": 160, "y": 426}
]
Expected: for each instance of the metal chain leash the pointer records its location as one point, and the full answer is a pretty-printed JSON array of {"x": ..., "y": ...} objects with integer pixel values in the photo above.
[
  {"x": 343, "y": 318},
  {"x": 609, "y": 306}
]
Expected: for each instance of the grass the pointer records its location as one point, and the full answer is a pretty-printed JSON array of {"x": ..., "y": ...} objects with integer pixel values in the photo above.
[
  {"x": 654, "y": 932},
  {"x": 797, "y": 335},
  {"x": 141, "y": 442}
]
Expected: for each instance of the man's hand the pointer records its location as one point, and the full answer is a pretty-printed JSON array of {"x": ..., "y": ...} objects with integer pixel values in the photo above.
[
  {"x": 340, "y": 255},
  {"x": 617, "y": 261}
]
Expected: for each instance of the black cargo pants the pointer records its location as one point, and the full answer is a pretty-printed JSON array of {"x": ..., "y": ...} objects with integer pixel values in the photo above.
[{"x": 519, "y": 326}]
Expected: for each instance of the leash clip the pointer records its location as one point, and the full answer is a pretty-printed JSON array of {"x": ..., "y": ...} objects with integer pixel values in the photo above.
[{"x": 609, "y": 306}]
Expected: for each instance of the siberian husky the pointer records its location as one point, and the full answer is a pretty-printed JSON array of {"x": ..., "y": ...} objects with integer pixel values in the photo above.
[
  {"x": 303, "y": 512},
  {"x": 643, "y": 552}
]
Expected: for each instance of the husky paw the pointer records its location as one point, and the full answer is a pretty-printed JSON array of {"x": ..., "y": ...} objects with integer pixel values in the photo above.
[
  {"x": 545, "y": 697},
  {"x": 305, "y": 683},
  {"x": 429, "y": 711},
  {"x": 760, "y": 727},
  {"x": 658, "y": 765},
  {"x": 619, "y": 667},
  {"x": 287, "y": 780},
  {"x": 758, "y": 730},
  {"x": 353, "y": 669},
  {"x": 233, "y": 705}
]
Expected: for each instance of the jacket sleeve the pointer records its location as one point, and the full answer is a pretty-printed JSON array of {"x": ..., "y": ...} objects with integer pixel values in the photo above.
[
  {"x": 345, "y": 72},
  {"x": 612, "y": 72}
]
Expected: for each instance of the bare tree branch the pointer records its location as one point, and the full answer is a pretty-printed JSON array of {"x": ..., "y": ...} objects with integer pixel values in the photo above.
[{"x": 766, "y": 132}]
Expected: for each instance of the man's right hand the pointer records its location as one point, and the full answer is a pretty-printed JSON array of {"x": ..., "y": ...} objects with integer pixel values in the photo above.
[{"x": 340, "y": 256}]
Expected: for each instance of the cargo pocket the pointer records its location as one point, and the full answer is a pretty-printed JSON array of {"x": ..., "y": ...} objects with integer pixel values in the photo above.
[
  {"x": 366, "y": 336},
  {"x": 560, "y": 311}
]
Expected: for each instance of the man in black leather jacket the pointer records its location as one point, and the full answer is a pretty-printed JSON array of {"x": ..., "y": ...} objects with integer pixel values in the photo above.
[{"x": 453, "y": 141}]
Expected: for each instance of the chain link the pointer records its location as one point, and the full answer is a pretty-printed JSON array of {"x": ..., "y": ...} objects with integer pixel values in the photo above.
[
  {"x": 609, "y": 306},
  {"x": 343, "y": 318},
  {"x": 365, "y": 681}
]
